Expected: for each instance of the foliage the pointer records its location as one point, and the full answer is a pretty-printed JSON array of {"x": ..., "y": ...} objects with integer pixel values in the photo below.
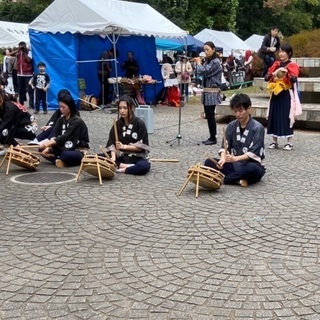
[{"x": 305, "y": 43}]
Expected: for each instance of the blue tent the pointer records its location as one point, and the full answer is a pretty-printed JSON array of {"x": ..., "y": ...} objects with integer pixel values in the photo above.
[
  {"x": 179, "y": 44},
  {"x": 70, "y": 35}
]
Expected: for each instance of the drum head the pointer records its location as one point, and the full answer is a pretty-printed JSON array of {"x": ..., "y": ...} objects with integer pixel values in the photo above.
[
  {"x": 23, "y": 163},
  {"x": 92, "y": 168},
  {"x": 208, "y": 178}
]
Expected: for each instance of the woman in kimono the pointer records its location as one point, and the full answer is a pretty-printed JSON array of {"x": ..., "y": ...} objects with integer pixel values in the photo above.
[
  {"x": 284, "y": 106},
  {"x": 129, "y": 145},
  {"x": 211, "y": 71},
  {"x": 242, "y": 153}
]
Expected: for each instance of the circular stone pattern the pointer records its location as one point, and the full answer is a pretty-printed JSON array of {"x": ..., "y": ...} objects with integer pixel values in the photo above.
[{"x": 44, "y": 178}]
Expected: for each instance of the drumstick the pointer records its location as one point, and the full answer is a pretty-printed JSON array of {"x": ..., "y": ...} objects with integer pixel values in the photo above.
[
  {"x": 38, "y": 146},
  {"x": 163, "y": 160},
  {"x": 104, "y": 151},
  {"x": 225, "y": 141},
  {"x": 115, "y": 130},
  {"x": 212, "y": 159}
]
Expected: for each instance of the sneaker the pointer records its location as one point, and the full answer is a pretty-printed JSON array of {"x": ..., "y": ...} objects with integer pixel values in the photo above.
[
  {"x": 273, "y": 145},
  {"x": 288, "y": 147},
  {"x": 45, "y": 112},
  {"x": 60, "y": 163},
  {"x": 36, "y": 112},
  {"x": 3, "y": 152}
]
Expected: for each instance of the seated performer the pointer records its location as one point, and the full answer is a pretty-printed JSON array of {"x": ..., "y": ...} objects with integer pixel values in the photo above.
[
  {"x": 129, "y": 144},
  {"x": 47, "y": 130},
  {"x": 243, "y": 151},
  {"x": 15, "y": 121},
  {"x": 70, "y": 136}
]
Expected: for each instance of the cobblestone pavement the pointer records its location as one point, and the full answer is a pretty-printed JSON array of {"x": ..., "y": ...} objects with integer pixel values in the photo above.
[{"x": 133, "y": 249}]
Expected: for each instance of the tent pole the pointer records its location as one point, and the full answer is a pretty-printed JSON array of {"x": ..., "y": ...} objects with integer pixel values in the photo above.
[{"x": 115, "y": 62}]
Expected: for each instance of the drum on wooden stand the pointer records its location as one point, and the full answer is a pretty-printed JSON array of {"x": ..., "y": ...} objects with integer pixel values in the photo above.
[
  {"x": 21, "y": 158},
  {"x": 98, "y": 166},
  {"x": 88, "y": 102},
  {"x": 205, "y": 177}
]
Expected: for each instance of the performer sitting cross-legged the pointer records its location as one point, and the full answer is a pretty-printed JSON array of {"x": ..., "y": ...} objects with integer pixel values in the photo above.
[
  {"x": 242, "y": 148},
  {"x": 128, "y": 144},
  {"x": 70, "y": 136}
]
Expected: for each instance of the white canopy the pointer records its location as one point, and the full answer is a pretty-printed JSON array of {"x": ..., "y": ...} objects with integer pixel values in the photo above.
[
  {"x": 104, "y": 17},
  {"x": 225, "y": 39},
  {"x": 254, "y": 42},
  {"x": 12, "y": 33}
]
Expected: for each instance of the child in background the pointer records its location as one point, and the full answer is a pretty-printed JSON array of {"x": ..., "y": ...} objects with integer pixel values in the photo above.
[{"x": 40, "y": 82}]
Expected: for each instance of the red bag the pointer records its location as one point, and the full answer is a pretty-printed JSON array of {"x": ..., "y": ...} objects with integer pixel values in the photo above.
[{"x": 185, "y": 76}]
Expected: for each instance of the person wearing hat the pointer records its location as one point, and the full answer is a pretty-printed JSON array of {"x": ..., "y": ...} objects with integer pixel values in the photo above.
[
  {"x": 40, "y": 82},
  {"x": 184, "y": 71},
  {"x": 284, "y": 105},
  {"x": 70, "y": 136}
]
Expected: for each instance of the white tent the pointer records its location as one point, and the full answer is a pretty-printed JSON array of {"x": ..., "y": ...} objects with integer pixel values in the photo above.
[
  {"x": 103, "y": 17},
  {"x": 225, "y": 39},
  {"x": 11, "y": 33},
  {"x": 75, "y": 32},
  {"x": 254, "y": 42}
]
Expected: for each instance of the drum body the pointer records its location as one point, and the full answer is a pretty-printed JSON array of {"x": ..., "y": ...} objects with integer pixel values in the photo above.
[
  {"x": 209, "y": 178},
  {"x": 88, "y": 102},
  {"x": 93, "y": 164},
  {"x": 22, "y": 158}
]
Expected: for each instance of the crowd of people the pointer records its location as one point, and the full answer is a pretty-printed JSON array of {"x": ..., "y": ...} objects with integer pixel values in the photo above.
[{"x": 64, "y": 140}]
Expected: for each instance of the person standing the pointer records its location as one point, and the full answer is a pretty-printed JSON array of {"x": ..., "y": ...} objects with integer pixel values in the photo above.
[
  {"x": 248, "y": 65},
  {"x": 270, "y": 44},
  {"x": 242, "y": 148},
  {"x": 8, "y": 62},
  {"x": 211, "y": 71},
  {"x": 104, "y": 73},
  {"x": 40, "y": 82},
  {"x": 130, "y": 66},
  {"x": 24, "y": 74},
  {"x": 184, "y": 71},
  {"x": 284, "y": 105}
]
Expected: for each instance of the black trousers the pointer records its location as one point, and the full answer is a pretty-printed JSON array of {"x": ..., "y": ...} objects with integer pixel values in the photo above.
[{"x": 211, "y": 120}]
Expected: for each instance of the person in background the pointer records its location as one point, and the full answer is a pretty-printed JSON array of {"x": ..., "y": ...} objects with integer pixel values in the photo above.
[
  {"x": 16, "y": 122},
  {"x": 184, "y": 71},
  {"x": 129, "y": 146},
  {"x": 248, "y": 65},
  {"x": 242, "y": 148},
  {"x": 24, "y": 73},
  {"x": 270, "y": 44},
  {"x": 8, "y": 63},
  {"x": 70, "y": 136},
  {"x": 104, "y": 73},
  {"x": 40, "y": 82},
  {"x": 211, "y": 71},
  {"x": 130, "y": 66},
  {"x": 284, "y": 104}
]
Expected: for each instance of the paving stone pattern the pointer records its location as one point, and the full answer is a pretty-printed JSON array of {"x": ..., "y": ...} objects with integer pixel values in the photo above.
[{"x": 133, "y": 249}]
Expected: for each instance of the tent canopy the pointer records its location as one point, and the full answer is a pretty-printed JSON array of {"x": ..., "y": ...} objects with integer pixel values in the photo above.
[
  {"x": 12, "y": 33},
  {"x": 77, "y": 31},
  {"x": 103, "y": 17},
  {"x": 254, "y": 42},
  {"x": 225, "y": 39},
  {"x": 193, "y": 44}
]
